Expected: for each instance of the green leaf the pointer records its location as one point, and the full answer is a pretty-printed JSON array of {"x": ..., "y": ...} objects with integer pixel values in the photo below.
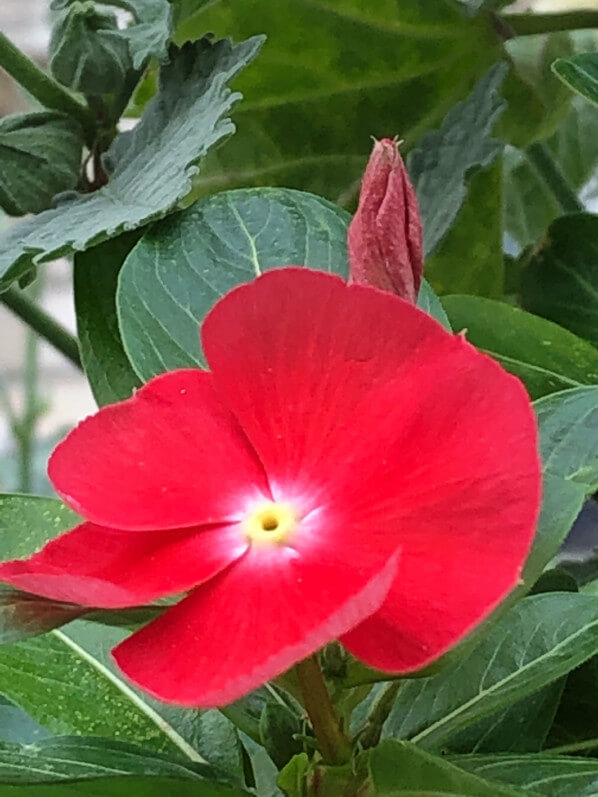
[
  {"x": 580, "y": 73},
  {"x": 265, "y": 771},
  {"x": 569, "y": 435},
  {"x": 277, "y": 726},
  {"x": 124, "y": 786},
  {"x": 553, "y": 776},
  {"x": 560, "y": 281},
  {"x": 17, "y": 727},
  {"x": 76, "y": 758},
  {"x": 540, "y": 639},
  {"x": 401, "y": 768},
  {"x": 27, "y": 523},
  {"x": 521, "y": 728},
  {"x": 88, "y": 52},
  {"x": 544, "y": 356},
  {"x": 40, "y": 155},
  {"x": 147, "y": 36},
  {"x": 149, "y": 167},
  {"x": 431, "y": 304},
  {"x": 529, "y": 206},
  {"x": 109, "y": 372},
  {"x": 443, "y": 157},
  {"x": 292, "y": 778},
  {"x": 470, "y": 258},
  {"x": 330, "y": 78},
  {"x": 576, "y": 718},
  {"x": 184, "y": 264}
]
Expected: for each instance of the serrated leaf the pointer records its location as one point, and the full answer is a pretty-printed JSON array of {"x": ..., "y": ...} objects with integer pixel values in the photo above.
[
  {"x": 108, "y": 370},
  {"x": 40, "y": 155},
  {"x": 149, "y": 167},
  {"x": 184, "y": 264},
  {"x": 401, "y": 768},
  {"x": 553, "y": 776},
  {"x": 150, "y": 32},
  {"x": 313, "y": 101},
  {"x": 443, "y": 157},
  {"x": 560, "y": 281},
  {"x": 569, "y": 435},
  {"x": 580, "y": 73},
  {"x": 546, "y": 357},
  {"x": 560, "y": 632}
]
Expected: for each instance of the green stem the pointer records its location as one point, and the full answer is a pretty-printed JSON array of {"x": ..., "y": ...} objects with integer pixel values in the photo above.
[
  {"x": 41, "y": 86},
  {"x": 334, "y": 744},
  {"x": 551, "y": 173},
  {"x": 531, "y": 24},
  {"x": 574, "y": 747},
  {"x": 43, "y": 324},
  {"x": 25, "y": 429},
  {"x": 380, "y": 711}
]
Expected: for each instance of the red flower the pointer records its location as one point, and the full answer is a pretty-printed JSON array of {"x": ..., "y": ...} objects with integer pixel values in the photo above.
[
  {"x": 385, "y": 235},
  {"x": 347, "y": 467}
]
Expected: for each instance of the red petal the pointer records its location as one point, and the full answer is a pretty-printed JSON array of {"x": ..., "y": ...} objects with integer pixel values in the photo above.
[
  {"x": 471, "y": 498},
  {"x": 171, "y": 456},
  {"x": 361, "y": 405},
  {"x": 248, "y": 625},
  {"x": 105, "y": 568}
]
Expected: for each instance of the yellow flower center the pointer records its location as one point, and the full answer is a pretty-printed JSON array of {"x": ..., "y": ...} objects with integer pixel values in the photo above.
[{"x": 271, "y": 524}]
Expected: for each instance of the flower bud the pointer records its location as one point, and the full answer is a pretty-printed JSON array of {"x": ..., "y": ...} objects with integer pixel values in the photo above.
[{"x": 385, "y": 235}]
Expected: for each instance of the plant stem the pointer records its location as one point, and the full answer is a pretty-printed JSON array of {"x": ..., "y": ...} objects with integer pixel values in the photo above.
[
  {"x": 41, "y": 86},
  {"x": 43, "y": 324},
  {"x": 380, "y": 711},
  {"x": 574, "y": 747},
  {"x": 334, "y": 744},
  {"x": 529, "y": 24},
  {"x": 24, "y": 431},
  {"x": 551, "y": 173}
]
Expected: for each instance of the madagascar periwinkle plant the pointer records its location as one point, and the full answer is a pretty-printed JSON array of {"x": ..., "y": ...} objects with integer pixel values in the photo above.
[{"x": 317, "y": 538}]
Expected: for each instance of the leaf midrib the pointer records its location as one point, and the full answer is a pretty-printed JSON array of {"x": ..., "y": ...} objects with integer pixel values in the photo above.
[
  {"x": 448, "y": 719},
  {"x": 167, "y": 729}
]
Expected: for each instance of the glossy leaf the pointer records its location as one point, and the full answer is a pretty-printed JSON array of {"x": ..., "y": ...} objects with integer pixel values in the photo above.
[
  {"x": 77, "y": 758},
  {"x": 561, "y": 632},
  {"x": 40, "y": 156},
  {"x": 149, "y": 167},
  {"x": 110, "y": 375},
  {"x": 401, "y": 768},
  {"x": 443, "y": 157},
  {"x": 544, "y": 356},
  {"x": 184, "y": 264},
  {"x": 313, "y": 100},
  {"x": 569, "y": 435},
  {"x": 553, "y": 776},
  {"x": 580, "y": 73},
  {"x": 560, "y": 281}
]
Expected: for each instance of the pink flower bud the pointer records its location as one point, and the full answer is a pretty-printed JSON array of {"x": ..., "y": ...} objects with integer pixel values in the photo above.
[{"x": 385, "y": 235}]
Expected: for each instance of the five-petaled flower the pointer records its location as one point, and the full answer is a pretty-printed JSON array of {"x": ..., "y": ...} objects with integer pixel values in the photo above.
[{"x": 345, "y": 469}]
